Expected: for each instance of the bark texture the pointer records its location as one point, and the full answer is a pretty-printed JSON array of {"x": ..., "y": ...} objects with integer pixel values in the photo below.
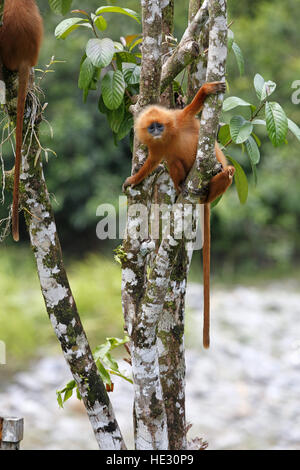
[{"x": 55, "y": 287}]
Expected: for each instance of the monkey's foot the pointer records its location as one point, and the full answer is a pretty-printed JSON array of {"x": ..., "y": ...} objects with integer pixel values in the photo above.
[
  {"x": 126, "y": 183},
  {"x": 213, "y": 88},
  {"x": 220, "y": 183}
]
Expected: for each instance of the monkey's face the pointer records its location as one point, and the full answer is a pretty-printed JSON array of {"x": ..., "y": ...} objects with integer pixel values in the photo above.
[
  {"x": 155, "y": 125},
  {"x": 156, "y": 129}
]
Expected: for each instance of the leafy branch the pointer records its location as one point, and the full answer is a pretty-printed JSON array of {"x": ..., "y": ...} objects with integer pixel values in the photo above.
[
  {"x": 239, "y": 130},
  {"x": 106, "y": 366}
]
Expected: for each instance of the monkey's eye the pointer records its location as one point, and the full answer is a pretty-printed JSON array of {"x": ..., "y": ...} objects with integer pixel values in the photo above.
[
  {"x": 151, "y": 128},
  {"x": 156, "y": 128}
]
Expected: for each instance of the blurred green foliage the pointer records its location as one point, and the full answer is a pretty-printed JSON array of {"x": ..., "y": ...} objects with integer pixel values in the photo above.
[
  {"x": 89, "y": 169},
  {"x": 24, "y": 326}
]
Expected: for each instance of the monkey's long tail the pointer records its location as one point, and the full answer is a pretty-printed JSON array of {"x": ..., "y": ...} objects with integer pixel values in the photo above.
[
  {"x": 206, "y": 276},
  {"x": 22, "y": 92}
]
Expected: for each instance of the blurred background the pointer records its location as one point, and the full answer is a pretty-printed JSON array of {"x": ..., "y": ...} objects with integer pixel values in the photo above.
[{"x": 249, "y": 379}]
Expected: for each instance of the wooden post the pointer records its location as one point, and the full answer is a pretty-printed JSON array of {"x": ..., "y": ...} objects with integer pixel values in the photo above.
[{"x": 11, "y": 433}]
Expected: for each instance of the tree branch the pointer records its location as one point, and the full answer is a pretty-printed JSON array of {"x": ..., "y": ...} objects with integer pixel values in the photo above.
[
  {"x": 197, "y": 69},
  {"x": 187, "y": 50},
  {"x": 149, "y": 408},
  {"x": 170, "y": 329}
]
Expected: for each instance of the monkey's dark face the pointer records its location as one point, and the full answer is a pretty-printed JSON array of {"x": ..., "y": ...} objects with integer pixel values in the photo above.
[
  {"x": 155, "y": 125},
  {"x": 156, "y": 129}
]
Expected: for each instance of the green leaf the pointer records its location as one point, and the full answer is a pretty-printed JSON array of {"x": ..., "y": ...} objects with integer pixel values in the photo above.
[
  {"x": 101, "y": 106},
  {"x": 116, "y": 117},
  {"x": 232, "y": 102},
  {"x": 125, "y": 57},
  {"x": 103, "y": 373},
  {"x": 125, "y": 126},
  {"x": 252, "y": 150},
  {"x": 113, "y": 89},
  {"x": 239, "y": 57},
  {"x": 268, "y": 88},
  {"x": 65, "y": 27},
  {"x": 277, "y": 123},
  {"x": 111, "y": 363},
  {"x": 131, "y": 38},
  {"x": 100, "y": 23},
  {"x": 241, "y": 181},
  {"x": 224, "y": 134},
  {"x": 230, "y": 39},
  {"x": 119, "y": 374},
  {"x": 68, "y": 394},
  {"x": 254, "y": 171},
  {"x": 216, "y": 202},
  {"x": 86, "y": 74},
  {"x": 59, "y": 399},
  {"x": 257, "y": 139},
  {"x": 240, "y": 129},
  {"x": 124, "y": 11},
  {"x": 294, "y": 128},
  {"x": 109, "y": 345},
  {"x": 70, "y": 385},
  {"x": 118, "y": 46},
  {"x": 258, "y": 85},
  {"x": 61, "y": 7},
  {"x": 260, "y": 122},
  {"x": 131, "y": 73},
  {"x": 136, "y": 43},
  {"x": 100, "y": 51}
]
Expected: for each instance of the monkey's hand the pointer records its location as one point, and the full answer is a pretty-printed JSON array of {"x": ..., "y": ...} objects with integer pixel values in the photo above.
[
  {"x": 220, "y": 183},
  {"x": 127, "y": 183}
]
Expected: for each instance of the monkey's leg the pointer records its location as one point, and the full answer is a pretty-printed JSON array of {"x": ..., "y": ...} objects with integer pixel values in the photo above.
[
  {"x": 220, "y": 183},
  {"x": 220, "y": 155},
  {"x": 177, "y": 173},
  {"x": 149, "y": 165},
  {"x": 207, "y": 89}
]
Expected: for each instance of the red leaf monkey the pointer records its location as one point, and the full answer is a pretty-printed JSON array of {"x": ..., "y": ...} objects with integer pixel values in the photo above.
[
  {"x": 172, "y": 135},
  {"x": 20, "y": 41}
]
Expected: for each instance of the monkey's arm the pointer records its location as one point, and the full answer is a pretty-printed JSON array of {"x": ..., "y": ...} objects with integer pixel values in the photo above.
[
  {"x": 150, "y": 164},
  {"x": 207, "y": 89},
  {"x": 177, "y": 173}
]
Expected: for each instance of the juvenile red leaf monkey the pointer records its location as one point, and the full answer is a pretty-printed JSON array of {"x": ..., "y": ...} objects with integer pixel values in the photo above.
[
  {"x": 20, "y": 41},
  {"x": 172, "y": 135}
]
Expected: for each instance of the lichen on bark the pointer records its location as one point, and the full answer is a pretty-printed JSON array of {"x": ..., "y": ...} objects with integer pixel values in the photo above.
[{"x": 59, "y": 301}]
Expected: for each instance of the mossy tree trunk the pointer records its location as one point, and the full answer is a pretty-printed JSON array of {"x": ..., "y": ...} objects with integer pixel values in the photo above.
[{"x": 154, "y": 275}]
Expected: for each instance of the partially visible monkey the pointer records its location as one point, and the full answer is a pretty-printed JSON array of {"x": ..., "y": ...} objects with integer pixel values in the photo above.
[
  {"x": 172, "y": 135},
  {"x": 20, "y": 41}
]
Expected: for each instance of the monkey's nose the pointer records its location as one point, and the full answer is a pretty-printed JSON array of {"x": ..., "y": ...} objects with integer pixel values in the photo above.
[{"x": 156, "y": 133}]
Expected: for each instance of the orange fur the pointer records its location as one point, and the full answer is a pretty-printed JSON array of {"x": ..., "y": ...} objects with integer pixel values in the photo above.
[
  {"x": 20, "y": 41},
  {"x": 174, "y": 139}
]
